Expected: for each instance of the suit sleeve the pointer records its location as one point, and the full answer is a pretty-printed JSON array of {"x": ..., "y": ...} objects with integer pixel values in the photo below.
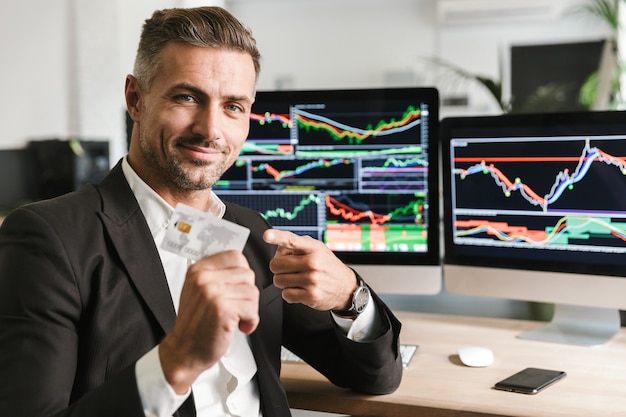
[
  {"x": 41, "y": 313},
  {"x": 373, "y": 367}
]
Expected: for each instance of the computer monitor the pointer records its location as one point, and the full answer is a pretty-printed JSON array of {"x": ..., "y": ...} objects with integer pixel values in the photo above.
[
  {"x": 535, "y": 209},
  {"x": 18, "y": 175},
  {"x": 356, "y": 169}
]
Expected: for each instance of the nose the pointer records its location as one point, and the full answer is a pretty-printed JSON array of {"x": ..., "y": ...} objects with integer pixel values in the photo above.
[{"x": 207, "y": 122}]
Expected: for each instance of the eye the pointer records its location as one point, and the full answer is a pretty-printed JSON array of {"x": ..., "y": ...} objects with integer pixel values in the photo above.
[
  {"x": 187, "y": 98},
  {"x": 234, "y": 108}
]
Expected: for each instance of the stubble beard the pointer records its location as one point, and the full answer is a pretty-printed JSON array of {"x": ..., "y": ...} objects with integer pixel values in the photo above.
[{"x": 201, "y": 177}]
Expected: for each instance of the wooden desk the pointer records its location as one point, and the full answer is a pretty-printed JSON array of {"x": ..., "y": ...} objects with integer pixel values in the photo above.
[{"x": 436, "y": 384}]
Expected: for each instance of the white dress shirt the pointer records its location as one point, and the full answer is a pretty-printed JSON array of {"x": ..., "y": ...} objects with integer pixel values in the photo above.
[{"x": 229, "y": 387}]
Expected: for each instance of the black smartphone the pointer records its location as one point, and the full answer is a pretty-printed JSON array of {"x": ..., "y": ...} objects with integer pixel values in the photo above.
[{"x": 530, "y": 380}]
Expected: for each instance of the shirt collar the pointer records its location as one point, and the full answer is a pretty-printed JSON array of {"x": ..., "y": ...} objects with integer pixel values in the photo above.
[{"x": 154, "y": 208}]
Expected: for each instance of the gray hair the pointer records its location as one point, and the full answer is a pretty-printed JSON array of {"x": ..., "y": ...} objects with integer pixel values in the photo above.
[{"x": 211, "y": 27}]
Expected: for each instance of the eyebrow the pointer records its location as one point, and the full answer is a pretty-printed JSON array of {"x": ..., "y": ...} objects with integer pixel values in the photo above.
[{"x": 199, "y": 92}]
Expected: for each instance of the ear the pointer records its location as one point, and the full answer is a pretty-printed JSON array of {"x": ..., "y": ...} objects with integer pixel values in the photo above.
[{"x": 133, "y": 97}]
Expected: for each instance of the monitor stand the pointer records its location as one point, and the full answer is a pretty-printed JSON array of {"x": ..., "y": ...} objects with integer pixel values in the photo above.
[{"x": 578, "y": 325}]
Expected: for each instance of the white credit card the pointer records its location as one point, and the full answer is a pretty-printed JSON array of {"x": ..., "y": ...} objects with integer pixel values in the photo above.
[{"x": 195, "y": 234}]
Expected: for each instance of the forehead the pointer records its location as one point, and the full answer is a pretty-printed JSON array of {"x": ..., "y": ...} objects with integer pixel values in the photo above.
[{"x": 181, "y": 62}]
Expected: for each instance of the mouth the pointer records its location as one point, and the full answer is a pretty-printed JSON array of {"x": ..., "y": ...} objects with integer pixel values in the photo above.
[{"x": 199, "y": 152}]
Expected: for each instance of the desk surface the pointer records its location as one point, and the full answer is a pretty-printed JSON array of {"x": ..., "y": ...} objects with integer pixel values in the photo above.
[{"x": 436, "y": 384}]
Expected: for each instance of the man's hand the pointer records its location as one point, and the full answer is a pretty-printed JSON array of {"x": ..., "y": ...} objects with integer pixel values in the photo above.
[
  {"x": 219, "y": 296},
  {"x": 309, "y": 273}
]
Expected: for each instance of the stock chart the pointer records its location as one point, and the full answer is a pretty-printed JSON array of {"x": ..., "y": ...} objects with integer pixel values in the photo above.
[
  {"x": 550, "y": 193},
  {"x": 352, "y": 173}
]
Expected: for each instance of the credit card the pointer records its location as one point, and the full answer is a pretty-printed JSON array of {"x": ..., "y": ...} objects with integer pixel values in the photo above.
[{"x": 195, "y": 234}]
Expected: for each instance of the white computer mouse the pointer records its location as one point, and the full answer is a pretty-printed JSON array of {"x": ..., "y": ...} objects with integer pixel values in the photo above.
[{"x": 475, "y": 356}]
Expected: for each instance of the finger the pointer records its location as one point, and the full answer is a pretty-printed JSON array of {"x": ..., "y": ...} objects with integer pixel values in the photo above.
[
  {"x": 223, "y": 260},
  {"x": 289, "y": 243},
  {"x": 248, "y": 308},
  {"x": 292, "y": 279}
]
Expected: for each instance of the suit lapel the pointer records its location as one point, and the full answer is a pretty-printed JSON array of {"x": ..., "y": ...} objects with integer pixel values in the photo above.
[{"x": 129, "y": 233}]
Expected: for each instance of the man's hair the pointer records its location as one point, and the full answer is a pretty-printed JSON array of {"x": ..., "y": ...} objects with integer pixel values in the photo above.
[{"x": 211, "y": 27}]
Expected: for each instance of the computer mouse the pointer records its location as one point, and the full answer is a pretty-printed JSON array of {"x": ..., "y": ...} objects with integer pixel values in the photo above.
[{"x": 475, "y": 356}]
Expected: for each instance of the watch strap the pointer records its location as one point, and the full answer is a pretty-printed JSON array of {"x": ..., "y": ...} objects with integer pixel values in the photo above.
[{"x": 353, "y": 312}]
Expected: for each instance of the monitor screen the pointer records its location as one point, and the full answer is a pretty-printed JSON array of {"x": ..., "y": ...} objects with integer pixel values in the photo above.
[
  {"x": 18, "y": 175},
  {"x": 535, "y": 208},
  {"x": 355, "y": 169}
]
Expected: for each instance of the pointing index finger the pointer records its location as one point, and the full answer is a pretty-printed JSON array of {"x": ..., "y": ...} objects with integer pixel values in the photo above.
[{"x": 287, "y": 242}]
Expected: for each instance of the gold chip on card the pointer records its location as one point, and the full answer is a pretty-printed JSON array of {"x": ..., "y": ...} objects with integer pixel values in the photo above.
[{"x": 184, "y": 227}]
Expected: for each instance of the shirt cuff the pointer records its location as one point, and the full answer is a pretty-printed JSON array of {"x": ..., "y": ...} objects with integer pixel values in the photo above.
[
  {"x": 366, "y": 327},
  {"x": 157, "y": 396}
]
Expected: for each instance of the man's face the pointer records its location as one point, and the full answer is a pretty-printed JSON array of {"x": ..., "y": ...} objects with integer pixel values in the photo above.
[{"x": 192, "y": 123}]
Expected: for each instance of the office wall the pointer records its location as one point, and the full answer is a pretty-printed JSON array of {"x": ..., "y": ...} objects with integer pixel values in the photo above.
[
  {"x": 34, "y": 74},
  {"x": 371, "y": 43},
  {"x": 64, "y": 62},
  {"x": 64, "y": 65},
  {"x": 339, "y": 44}
]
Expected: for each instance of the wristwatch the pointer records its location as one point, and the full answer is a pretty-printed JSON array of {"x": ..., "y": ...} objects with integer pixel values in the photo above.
[{"x": 360, "y": 298}]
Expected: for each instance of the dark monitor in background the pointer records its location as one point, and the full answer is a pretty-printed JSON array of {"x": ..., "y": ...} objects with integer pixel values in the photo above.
[
  {"x": 535, "y": 210},
  {"x": 549, "y": 77},
  {"x": 66, "y": 165},
  {"x": 355, "y": 169},
  {"x": 17, "y": 178},
  {"x": 48, "y": 168}
]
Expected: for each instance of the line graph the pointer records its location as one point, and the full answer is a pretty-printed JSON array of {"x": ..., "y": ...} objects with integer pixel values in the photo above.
[
  {"x": 356, "y": 127},
  {"x": 395, "y": 173},
  {"x": 536, "y": 169},
  {"x": 361, "y": 152},
  {"x": 303, "y": 174},
  {"x": 298, "y": 211},
  {"x": 270, "y": 126},
  {"x": 278, "y": 174},
  {"x": 549, "y": 193},
  {"x": 290, "y": 214},
  {"x": 339, "y": 131},
  {"x": 378, "y": 225},
  {"x": 577, "y": 227},
  {"x": 268, "y": 117},
  {"x": 378, "y": 209},
  {"x": 252, "y": 147}
]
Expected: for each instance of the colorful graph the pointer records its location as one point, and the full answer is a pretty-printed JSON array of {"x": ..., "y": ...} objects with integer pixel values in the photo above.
[
  {"x": 339, "y": 131},
  {"x": 559, "y": 193},
  {"x": 351, "y": 211},
  {"x": 567, "y": 229},
  {"x": 356, "y": 152},
  {"x": 563, "y": 181},
  {"x": 297, "y": 211},
  {"x": 376, "y": 238},
  {"x": 251, "y": 147},
  {"x": 292, "y": 213},
  {"x": 344, "y": 168},
  {"x": 268, "y": 117},
  {"x": 279, "y": 175}
]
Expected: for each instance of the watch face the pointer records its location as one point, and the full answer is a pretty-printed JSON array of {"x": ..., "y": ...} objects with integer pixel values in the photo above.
[{"x": 361, "y": 299}]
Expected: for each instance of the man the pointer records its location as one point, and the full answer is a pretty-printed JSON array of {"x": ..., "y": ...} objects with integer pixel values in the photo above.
[{"x": 97, "y": 320}]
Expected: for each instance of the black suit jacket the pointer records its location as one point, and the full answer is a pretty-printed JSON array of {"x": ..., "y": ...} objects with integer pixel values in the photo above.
[{"x": 83, "y": 296}]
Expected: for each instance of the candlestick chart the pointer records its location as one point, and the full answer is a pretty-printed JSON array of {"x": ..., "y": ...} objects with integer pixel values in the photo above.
[{"x": 546, "y": 193}]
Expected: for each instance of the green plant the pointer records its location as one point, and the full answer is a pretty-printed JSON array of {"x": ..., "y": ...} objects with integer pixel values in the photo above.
[
  {"x": 493, "y": 86},
  {"x": 608, "y": 12},
  {"x": 547, "y": 96},
  {"x": 605, "y": 10}
]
